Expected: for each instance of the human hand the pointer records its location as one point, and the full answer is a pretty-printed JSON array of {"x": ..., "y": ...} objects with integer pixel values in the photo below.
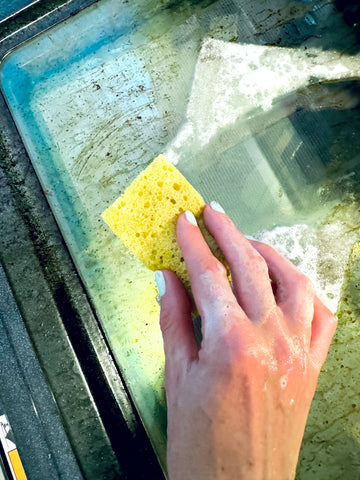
[{"x": 238, "y": 405}]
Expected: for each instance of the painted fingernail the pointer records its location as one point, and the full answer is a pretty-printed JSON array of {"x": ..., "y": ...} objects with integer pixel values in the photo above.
[
  {"x": 217, "y": 207},
  {"x": 160, "y": 282},
  {"x": 190, "y": 218}
]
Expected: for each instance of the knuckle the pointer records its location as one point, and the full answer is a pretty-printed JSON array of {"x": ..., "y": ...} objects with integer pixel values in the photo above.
[
  {"x": 283, "y": 349},
  {"x": 240, "y": 346},
  {"x": 255, "y": 263},
  {"x": 214, "y": 266},
  {"x": 259, "y": 262},
  {"x": 305, "y": 285},
  {"x": 166, "y": 320},
  {"x": 219, "y": 268},
  {"x": 291, "y": 352}
]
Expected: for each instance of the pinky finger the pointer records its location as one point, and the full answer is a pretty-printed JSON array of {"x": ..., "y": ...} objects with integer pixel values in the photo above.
[{"x": 323, "y": 329}]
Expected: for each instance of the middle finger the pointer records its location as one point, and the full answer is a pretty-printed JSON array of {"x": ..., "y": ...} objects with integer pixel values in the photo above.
[{"x": 249, "y": 271}]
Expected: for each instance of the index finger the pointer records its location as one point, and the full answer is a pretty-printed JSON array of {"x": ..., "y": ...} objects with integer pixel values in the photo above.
[{"x": 210, "y": 286}]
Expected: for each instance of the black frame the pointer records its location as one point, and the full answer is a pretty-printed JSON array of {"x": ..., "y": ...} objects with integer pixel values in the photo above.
[{"x": 106, "y": 433}]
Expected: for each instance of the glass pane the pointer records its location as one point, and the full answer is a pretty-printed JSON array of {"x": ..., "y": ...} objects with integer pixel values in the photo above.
[{"x": 271, "y": 132}]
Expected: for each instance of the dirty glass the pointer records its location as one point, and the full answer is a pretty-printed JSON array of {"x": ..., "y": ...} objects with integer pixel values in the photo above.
[{"x": 257, "y": 103}]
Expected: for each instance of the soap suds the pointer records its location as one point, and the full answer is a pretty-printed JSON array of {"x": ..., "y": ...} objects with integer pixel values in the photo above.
[{"x": 320, "y": 252}]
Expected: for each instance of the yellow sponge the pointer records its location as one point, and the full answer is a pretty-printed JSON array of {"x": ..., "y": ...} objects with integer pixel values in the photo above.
[{"x": 145, "y": 216}]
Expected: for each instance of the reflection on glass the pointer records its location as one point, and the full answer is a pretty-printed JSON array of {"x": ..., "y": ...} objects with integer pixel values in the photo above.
[{"x": 269, "y": 132}]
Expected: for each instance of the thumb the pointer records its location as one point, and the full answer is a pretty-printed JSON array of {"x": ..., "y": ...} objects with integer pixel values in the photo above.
[{"x": 176, "y": 325}]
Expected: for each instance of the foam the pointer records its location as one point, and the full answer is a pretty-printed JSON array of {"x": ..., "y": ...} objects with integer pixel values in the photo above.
[
  {"x": 242, "y": 79},
  {"x": 320, "y": 253}
]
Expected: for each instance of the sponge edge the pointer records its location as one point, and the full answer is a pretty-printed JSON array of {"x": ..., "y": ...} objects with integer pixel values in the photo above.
[{"x": 145, "y": 216}]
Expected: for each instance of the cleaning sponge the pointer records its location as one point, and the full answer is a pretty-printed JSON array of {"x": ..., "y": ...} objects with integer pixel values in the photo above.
[{"x": 144, "y": 217}]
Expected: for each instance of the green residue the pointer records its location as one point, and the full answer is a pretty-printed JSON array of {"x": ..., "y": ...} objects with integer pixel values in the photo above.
[{"x": 331, "y": 446}]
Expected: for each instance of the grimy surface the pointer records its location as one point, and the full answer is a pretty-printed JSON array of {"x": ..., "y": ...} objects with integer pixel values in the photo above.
[
  {"x": 94, "y": 110},
  {"x": 331, "y": 445}
]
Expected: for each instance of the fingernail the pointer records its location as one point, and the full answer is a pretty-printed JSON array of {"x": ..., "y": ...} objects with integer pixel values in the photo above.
[
  {"x": 217, "y": 207},
  {"x": 160, "y": 282},
  {"x": 190, "y": 218}
]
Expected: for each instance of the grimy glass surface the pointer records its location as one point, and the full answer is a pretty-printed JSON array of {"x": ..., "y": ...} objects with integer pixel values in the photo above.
[{"x": 269, "y": 131}]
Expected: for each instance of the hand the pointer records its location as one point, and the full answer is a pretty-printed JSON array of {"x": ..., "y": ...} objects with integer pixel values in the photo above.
[{"x": 237, "y": 405}]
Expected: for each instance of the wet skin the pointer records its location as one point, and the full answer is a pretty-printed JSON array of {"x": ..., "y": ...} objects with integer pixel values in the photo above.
[{"x": 238, "y": 404}]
